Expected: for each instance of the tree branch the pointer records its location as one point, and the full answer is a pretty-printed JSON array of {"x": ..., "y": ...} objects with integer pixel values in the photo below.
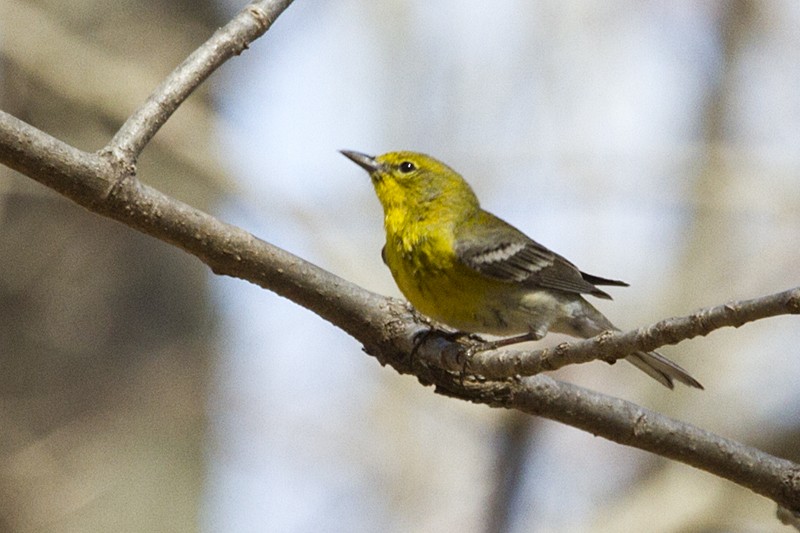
[
  {"x": 388, "y": 328},
  {"x": 613, "y": 345},
  {"x": 232, "y": 39}
]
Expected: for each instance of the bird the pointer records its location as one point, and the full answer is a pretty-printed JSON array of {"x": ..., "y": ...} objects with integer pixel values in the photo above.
[{"x": 468, "y": 269}]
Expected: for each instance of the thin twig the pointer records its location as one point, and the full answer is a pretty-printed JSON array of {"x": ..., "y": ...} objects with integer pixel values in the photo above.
[
  {"x": 232, "y": 39},
  {"x": 610, "y": 345}
]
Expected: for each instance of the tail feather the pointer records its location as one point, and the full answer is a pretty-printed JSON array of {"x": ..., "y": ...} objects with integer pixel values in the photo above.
[
  {"x": 597, "y": 280},
  {"x": 662, "y": 369},
  {"x": 586, "y": 321}
]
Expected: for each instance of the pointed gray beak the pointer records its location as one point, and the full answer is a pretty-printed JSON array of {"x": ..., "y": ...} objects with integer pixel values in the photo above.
[{"x": 367, "y": 162}]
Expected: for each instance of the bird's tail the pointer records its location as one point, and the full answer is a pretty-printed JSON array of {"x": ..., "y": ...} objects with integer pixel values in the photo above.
[
  {"x": 587, "y": 322},
  {"x": 662, "y": 369}
]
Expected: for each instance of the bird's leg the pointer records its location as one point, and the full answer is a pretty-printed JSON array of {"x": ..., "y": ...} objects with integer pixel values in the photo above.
[
  {"x": 532, "y": 335},
  {"x": 472, "y": 349},
  {"x": 508, "y": 341}
]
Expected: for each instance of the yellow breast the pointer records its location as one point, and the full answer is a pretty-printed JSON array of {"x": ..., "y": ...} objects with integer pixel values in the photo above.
[{"x": 425, "y": 268}]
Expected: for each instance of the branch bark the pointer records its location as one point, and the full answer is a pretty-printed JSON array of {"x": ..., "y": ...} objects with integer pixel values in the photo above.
[
  {"x": 612, "y": 345},
  {"x": 105, "y": 183}
]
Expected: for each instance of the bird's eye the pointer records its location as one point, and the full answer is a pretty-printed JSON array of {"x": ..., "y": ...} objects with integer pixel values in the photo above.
[{"x": 407, "y": 166}]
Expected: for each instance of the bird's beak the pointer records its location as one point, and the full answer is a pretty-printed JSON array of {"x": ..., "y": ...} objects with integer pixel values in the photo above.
[{"x": 367, "y": 162}]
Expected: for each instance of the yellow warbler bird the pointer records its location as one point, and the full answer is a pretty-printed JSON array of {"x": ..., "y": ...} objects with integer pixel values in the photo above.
[{"x": 468, "y": 269}]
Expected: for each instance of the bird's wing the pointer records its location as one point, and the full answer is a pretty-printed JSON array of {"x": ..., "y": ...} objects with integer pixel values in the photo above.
[{"x": 498, "y": 250}]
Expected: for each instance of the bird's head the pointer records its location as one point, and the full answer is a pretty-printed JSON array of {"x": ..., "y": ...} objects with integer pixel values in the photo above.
[{"x": 414, "y": 181}]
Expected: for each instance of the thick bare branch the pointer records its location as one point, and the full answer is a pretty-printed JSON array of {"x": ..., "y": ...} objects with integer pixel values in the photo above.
[
  {"x": 232, "y": 39},
  {"x": 101, "y": 185},
  {"x": 85, "y": 178},
  {"x": 611, "y": 345}
]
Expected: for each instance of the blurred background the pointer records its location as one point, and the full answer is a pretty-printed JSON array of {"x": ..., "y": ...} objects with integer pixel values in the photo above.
[{"x": 648, "y": 141}]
